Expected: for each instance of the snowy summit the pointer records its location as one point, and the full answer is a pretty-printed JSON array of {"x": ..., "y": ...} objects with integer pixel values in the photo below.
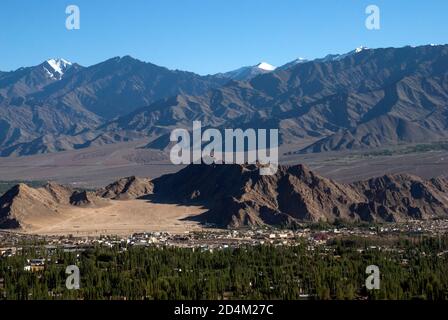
[
  {"x": 265, "y": 66},
  {"x": 359, "y": 49},
  {"x": 246, "y": 73},
  {"x": 56, "y": 67}
]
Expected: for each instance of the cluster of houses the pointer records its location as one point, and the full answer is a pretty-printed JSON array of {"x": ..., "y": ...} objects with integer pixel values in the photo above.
[
  {"x": 11, "y": 243},
  {"x": 35, "y": 265}
]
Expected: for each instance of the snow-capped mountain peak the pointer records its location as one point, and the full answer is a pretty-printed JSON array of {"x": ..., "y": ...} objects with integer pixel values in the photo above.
[
  {"x": 248, "y": 72},
  {"x": 359, "y": 49},
  {"x": 56, "y": 67},
  {"x": 265, "y": 66}
]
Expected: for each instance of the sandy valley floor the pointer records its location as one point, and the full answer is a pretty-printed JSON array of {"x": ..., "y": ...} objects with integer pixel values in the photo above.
[{"x": 118, "y": 217}]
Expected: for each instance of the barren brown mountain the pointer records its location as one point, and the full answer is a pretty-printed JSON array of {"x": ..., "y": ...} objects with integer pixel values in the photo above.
[
  {"x": 401, "y": 197},
  {"x": 127, "y": 188},
  {"x": 22, "y": 201},
  {"x": 238, "y": 196},
  {"x": 86, "y": 198}
]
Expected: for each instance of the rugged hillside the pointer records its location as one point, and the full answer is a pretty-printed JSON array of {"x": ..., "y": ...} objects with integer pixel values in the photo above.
[
  {"x": 22, "y": 202},
  {"x": 401, "y": 197},
  {"x": 382, "y": 131},
  {"x": 127, "y": 188},
  {"x": 86, "y": 198},
  {"x": 238, "y": 196}
]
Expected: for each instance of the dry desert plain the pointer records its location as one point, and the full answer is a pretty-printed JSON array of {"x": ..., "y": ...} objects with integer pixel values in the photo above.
[{"x": 116, "y": 217}]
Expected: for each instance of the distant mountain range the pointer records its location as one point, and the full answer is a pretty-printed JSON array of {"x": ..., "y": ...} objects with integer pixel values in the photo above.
[{"x": 366, "y": 98}]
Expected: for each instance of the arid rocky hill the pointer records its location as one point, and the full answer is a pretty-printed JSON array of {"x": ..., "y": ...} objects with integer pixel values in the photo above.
[
  {"x": 22, "y": 202},
  {"x": 86, "y": 198},
  {"x": 127, "y": 188},
  {"x": 400, "y": 197},
  {"x": 238, "y": 196}
]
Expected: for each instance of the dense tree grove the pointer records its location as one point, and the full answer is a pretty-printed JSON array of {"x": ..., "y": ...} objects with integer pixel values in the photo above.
[{"x": 414, "y": 269}]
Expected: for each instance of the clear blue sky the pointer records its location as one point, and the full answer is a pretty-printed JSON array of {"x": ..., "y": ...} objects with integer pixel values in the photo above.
[{"x": 208, "y": 36}]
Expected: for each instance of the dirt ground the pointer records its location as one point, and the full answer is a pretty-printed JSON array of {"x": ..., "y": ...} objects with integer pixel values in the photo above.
[{"x": 119, "y": 217}]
